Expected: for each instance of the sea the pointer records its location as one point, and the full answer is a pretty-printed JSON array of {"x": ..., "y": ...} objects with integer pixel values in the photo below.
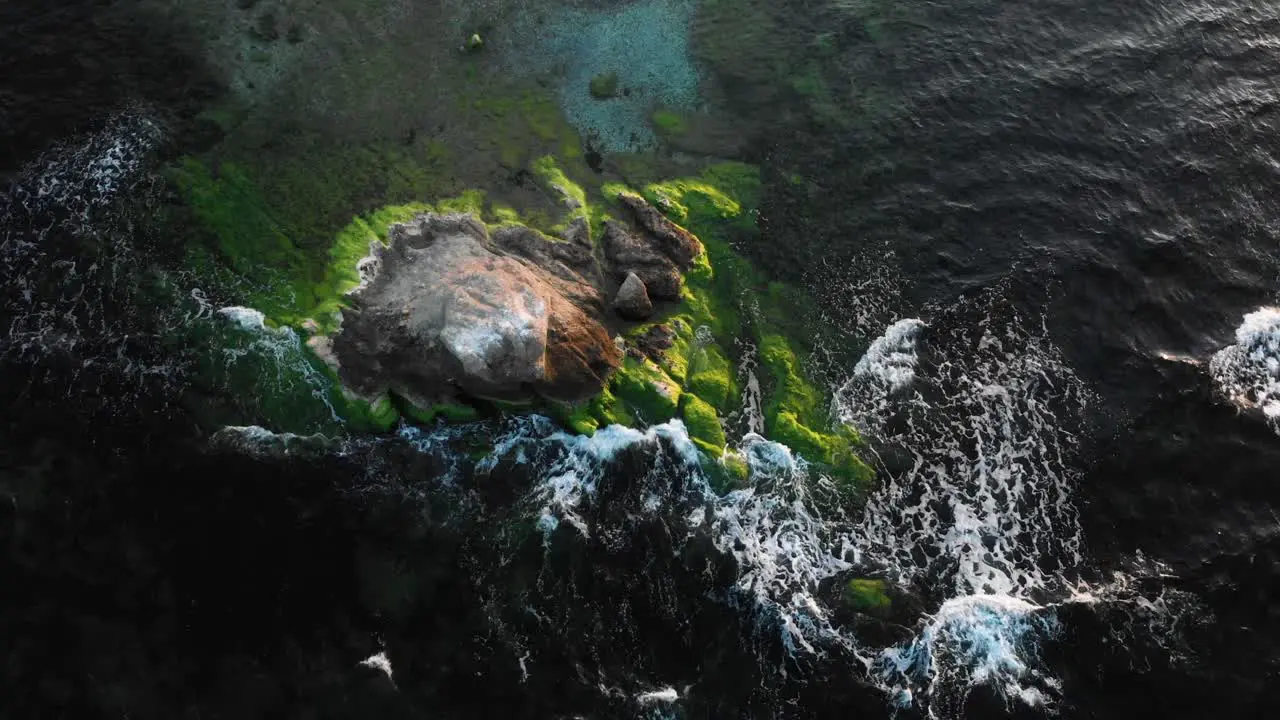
[{"x": 1046, "y": 254}]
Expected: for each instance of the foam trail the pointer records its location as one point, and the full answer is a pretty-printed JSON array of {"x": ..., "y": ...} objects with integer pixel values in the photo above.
[
  {"x": 783, "y": 546},
  {"x": 258, "y": 441},
  {"x": 987, "y": 494},
  {"x": 382, "y": 664},
  {"x": 885, "y": 375},
  {"x": 751, "y": 419},
  {"x": 978, "y": 502},
  {"x": 69, "y": 223},
  {"x": 665, "y": 695}
]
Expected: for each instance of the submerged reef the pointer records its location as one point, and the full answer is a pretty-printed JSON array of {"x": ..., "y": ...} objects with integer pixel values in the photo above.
[{"x": 611, "y": 65}]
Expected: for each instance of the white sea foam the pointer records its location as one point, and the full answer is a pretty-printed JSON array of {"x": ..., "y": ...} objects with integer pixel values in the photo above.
[
  {"x": 67, "y": 251},
  {"x": 891, "y": 360},
  {"x": 283, "y": 350},
  {"x": 574, "y": 476},
  {"x": 381, "y": 663},
  {"x": 971, "y": 640},
  {"x": 665, "y": 695},
  {"x": 979, "y": 501},
  {"x": 987, "y": 493},
  {"x": 884, "y": 379},
  {"x": 261, "y": 442},
  {"x": 752, "y": 397},
  {"x": 1248, "y": 372},
  {"x": 80, "y": 177}
]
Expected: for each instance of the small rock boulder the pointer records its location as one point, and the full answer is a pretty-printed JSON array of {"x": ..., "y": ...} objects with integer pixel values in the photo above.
[
  {"x": 632, "y": 301},
  {"x": 659, "y": 253}
]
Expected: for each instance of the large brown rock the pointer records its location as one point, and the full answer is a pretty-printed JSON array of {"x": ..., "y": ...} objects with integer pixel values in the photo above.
[{"x": 444, "y": 305}]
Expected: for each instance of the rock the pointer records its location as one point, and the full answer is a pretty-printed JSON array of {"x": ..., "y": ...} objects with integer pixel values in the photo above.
[
  {"x": 654, "y": 343},
  {"x": 673, "y": 241},
  {"x": 632, "y": 301},
  {"x": 880, "y": 611},
  {"x": 446, "y": 306},
  {"x": 629, "y": 253},
  {"x": 578, "y": 233},
  {"x": 604, "y": 86},
  {"x": 570, "y": 261}
]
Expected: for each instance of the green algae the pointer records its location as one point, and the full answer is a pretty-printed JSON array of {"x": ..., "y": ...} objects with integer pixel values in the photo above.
[
  {"x": 522, "y": 127},
  {"x": 604, "y": 86},
  {"x": 451, "y": 412},
  {"x": 712, "y": 378},
  {"x": 867, "y": 595},
  {"x": 716, "y": 206},
  {"x": 378, "y": 416},
  {"x": 725, "y": 472},
  {"x": 703, "y": 424},
  {"x": 652, "y": 396},
  {"x": 272, "y": 220},
  {"x": 572, "y": 196},
  {"x": 669, "y": 123},
  {"x": 736, "y": 468}
]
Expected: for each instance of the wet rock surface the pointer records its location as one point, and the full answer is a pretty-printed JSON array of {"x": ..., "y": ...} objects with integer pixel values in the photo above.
[{"x": 653, "y": 343}]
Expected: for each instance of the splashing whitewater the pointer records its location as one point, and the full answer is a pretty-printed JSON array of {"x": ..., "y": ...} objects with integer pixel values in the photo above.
[{"x": 1248, "y": 372}]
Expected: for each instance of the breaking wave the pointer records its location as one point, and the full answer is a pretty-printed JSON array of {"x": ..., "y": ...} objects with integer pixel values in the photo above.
[
  {"x": 980, "y": 513},
  {"x": 977, "y": 427},
  {"x": 275, "y": 350},
  {"x": 1247, "y": 373}
]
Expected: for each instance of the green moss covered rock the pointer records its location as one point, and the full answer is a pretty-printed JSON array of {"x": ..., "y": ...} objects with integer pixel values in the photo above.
[
  {"x": 868, "y": 596},
  {"x": 668, "y": 123},
  {"x": 275, "y": 233},
  {"x": 703, "y": 424},
  {"x": 712, "y": 378},
  {"x": 651, "y": 394},
  {"x": 604, "y": 86}
]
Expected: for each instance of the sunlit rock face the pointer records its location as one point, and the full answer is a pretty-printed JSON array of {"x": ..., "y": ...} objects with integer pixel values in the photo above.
[{"x": 446, "y": 305}]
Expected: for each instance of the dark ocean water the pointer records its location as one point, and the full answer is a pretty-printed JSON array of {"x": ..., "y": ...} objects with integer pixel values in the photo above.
[{"x": 1072, "y": 202}]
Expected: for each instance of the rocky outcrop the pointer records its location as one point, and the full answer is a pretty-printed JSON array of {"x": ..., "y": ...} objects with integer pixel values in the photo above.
[
  {"x": 658, "y": 254},
  {"x": 673, "y": 241},
  {"x": 630, "y": 253},
  {"x": 632, "y": 301},
  {"x": 446, "y": 305},
  {"x": 448, "y": 308}
]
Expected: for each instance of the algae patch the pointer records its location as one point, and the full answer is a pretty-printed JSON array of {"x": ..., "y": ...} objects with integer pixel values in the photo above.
[{"x": 716, "y": 312}]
